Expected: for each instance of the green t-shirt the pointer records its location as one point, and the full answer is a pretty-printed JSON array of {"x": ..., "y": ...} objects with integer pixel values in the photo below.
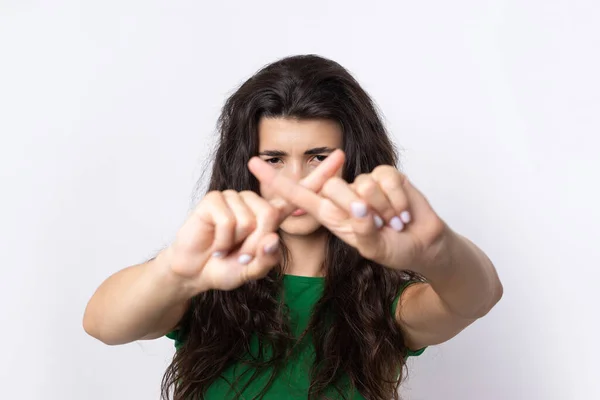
[{"x": 301, "y": 294}]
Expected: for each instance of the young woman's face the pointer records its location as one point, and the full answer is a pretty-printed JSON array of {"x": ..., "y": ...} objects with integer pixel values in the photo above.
[{"x": 295, "y": 148}]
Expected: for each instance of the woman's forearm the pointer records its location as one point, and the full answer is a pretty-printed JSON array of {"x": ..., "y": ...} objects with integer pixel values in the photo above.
[
  {"x": 140, "y": 302},
  {"x": 463, "y": 276}
]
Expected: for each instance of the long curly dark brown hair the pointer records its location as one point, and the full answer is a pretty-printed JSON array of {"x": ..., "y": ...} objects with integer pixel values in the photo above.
[{"x": 353, "y": 328}]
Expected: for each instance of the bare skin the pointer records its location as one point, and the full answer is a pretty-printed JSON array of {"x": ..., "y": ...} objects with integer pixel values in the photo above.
[
  {"x": 231, "y": 238},
  {"x": 227, "y": 240}
]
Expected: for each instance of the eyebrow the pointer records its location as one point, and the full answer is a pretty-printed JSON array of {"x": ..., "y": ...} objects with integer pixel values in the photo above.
[{"x": 309, "y": 152}]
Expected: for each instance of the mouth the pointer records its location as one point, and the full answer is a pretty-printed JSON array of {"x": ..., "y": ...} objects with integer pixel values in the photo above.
[{"x": 299, "y": 212}]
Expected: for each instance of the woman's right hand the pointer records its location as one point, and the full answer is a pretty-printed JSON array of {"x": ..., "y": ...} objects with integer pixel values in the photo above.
[
  {"x": 231, "y": 237},
  {"x": 228, "y": 239}
]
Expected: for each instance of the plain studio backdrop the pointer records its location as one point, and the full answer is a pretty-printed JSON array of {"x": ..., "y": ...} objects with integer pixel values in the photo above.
[{"x": 107, "y": 114}]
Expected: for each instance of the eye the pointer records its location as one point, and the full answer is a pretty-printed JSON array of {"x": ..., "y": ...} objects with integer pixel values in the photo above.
[
  {"x": 320, "y": 157},
  {"x": 274, "y": 160}
]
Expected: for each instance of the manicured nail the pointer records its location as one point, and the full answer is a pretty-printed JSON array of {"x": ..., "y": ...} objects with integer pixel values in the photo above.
[
  {"x": 359, "y": 210},
  {"x": 397, "y": 224},
  {"x": 378, "y": 221},
  {"x": 405, "y": 217},
  {"x": 270, "y": 248},
  {"x": 244, "y": 259},
  {"x": 218, "y": 254}
]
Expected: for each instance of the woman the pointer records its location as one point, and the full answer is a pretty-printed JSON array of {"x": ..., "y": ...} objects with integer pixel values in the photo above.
[{"x": 312, "y": 268}]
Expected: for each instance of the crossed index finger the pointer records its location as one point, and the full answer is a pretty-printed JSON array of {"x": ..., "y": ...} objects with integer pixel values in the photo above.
[{"x": 302, "y": 194}]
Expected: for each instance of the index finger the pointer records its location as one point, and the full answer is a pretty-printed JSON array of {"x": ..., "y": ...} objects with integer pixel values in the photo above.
[
  {"x": 328, "y": 168},
  {"x": 301, "y": 194}
]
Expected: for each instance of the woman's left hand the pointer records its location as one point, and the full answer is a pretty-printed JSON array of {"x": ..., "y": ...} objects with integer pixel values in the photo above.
[{"x": 381, "y": 214}]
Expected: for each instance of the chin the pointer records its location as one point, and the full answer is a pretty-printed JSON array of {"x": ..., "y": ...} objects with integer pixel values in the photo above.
[{"x": 300, "y": 226}]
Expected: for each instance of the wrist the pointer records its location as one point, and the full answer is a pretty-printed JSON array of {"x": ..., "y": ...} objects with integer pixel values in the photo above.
[
  {"x": 438, "y": 253},
  {"x": 161, "y": 270}
]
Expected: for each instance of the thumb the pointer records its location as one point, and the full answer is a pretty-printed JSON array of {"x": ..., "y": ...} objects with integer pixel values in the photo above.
[{"x": 267, "y": 256}]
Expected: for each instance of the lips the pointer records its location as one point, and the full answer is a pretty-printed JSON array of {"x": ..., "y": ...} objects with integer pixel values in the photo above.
[{"x": 298, "y": 212}]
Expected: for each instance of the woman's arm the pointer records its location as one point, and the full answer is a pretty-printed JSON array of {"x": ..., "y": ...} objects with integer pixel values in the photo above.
[
  {"x": 462, "y": 286},
  {"x": 148, "y": 300},
  {"x": 144, "y": 301}
]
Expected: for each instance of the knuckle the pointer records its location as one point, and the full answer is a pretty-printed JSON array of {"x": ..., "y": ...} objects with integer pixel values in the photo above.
[
  {"x": 384, "y": 172},
  {"x": 228, "y": 222},
  {"x": 402, "y": 178},
  {"x": 367, "y": 188},
  {"x": 361, "y": 178},
  {"x": 229, "y": 193},
  {"x": 384, "y": 169},
  {"x": 210, "y": 197},
  {"x": 391, "y": 183},
  {"x": 245, "y": 194}
]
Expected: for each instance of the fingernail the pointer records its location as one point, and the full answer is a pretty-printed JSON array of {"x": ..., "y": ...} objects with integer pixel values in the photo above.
[
  {"x": 378, "y": 221},
  {"x": 244, "y": 259},
  {"x": 359, "y": 210},
  {"x": 397, "y": 224},
  {"x": 405, "y": 217},
  {"x": 270, "y": 248},
  {"x": 218, "y": 254}
]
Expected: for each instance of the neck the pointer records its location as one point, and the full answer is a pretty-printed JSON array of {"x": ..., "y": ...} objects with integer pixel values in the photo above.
[{"x": 307, "y": 253}]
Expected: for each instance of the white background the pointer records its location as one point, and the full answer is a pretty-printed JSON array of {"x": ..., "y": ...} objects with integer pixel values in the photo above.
[{"x": 107, "y": 110}]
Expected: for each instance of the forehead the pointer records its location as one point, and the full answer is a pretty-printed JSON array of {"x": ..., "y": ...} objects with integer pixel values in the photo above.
[{"x": 280, "y": 133}]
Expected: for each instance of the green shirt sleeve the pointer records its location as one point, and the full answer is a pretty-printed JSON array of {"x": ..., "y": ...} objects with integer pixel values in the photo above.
[
  {"x": 177, "y": 338},
  {"x": 411, "y": 353}
]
